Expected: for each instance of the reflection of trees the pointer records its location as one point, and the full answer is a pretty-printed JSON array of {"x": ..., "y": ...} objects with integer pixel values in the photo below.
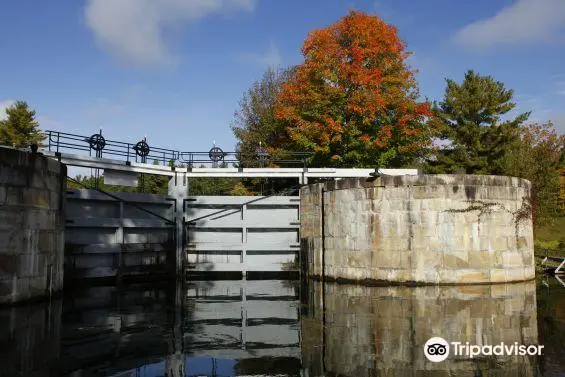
[
  {"x": 380, "y": 330},
  {"x": 551, "y": 320}
]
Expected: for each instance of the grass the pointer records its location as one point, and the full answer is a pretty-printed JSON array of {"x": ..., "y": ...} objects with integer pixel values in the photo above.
[
  {"x": 553, "y": 231},
  {"x": 551, "y": 237}
]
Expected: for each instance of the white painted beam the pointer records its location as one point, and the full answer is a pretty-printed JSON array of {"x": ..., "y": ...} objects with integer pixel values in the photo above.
[{"x": 134, "y": 167}]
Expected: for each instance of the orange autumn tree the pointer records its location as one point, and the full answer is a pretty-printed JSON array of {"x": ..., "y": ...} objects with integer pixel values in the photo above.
[{"x": 353, "y": 102}]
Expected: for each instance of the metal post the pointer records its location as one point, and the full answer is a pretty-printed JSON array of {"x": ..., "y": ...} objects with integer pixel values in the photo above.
[
  {"x": 178, "y": 189},
  {"x": 243, "y": 259}
]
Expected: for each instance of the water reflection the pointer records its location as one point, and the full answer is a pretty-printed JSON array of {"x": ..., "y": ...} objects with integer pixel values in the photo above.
[
  {"x": 368, "y": 331},
  {"x": 254, "y": 322},
  {"x": 226, "y": 328},
  {"x": 551, "y": 319},
  {"x": 29, "y": 339}
]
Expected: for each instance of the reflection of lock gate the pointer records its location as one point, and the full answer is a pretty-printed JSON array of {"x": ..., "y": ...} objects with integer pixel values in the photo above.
[{"x": 436, "y": 349}]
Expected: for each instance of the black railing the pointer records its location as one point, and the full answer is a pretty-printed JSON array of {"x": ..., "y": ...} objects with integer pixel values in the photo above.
[{"x": 97, "y": 145}]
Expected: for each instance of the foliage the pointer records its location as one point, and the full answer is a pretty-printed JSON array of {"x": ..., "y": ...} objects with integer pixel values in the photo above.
[
  {"x": 255, "y": 124},
  {"x": 20, "y": 129},
  {"x": 470, "y": 119},
  {"x": 147, "y": 183},
  {"x": 154, "y": 184},
  {"x": 535, "y": 156},
  {"x": 562, "y": 178},
  {"x": 217, "y": 186},
  {"x": 546, "y": 245},
  {"x": 562, "y": 191},
  {"x": 353, "y": 101},
  {"x": 90, "y": 182}
]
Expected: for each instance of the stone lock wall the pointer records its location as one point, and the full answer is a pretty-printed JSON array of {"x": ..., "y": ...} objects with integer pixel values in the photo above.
[
  {"x": 430, "y": 229},
  {"x": 31, "y": 225}
]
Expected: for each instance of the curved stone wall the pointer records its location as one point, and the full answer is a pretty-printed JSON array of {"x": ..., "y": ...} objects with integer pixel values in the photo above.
[
  {"x": 427, "y": 229},
  {"x": 353, "y": 330},
  {"x": 31, "y": 225}
]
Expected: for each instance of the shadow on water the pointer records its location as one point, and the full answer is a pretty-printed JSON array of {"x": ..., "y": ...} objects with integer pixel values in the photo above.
[{"x": 265, "y": 327}]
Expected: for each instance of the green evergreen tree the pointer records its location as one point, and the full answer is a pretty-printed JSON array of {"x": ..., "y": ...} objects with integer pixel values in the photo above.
[
  {"x": 472, "y": 121},
  {"x": 20, "y": 129}
]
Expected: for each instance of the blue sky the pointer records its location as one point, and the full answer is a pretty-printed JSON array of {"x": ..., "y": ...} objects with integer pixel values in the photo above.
[{"x": 174, "y": 70}]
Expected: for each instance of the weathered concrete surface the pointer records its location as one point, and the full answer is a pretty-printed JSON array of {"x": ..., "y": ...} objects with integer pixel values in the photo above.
[
  {"x": 353, "y": 330},
  {"x": 431, "y": 229},
  {"x": 31, "y": 225}
]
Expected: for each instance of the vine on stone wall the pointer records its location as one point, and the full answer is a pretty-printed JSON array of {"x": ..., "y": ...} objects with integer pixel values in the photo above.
[
  {"x": 484, "y": 208},
  {"x": 487, "y": 208}
]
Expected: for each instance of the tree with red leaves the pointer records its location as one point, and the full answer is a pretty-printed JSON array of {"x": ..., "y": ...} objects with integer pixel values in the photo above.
[{"x": 353, "y": 102}]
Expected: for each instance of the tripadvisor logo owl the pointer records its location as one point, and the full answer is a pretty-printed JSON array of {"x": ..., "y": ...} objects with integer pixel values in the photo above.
[{"x": 436, "y": 349}]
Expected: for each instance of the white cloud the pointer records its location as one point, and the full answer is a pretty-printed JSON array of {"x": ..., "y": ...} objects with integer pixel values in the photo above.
[
  {"x": 523, "y": 22},
  {"x": 133, "y": 30},
  {"x": 3, "y": 106},
  {"x": 271, "y": 57}
]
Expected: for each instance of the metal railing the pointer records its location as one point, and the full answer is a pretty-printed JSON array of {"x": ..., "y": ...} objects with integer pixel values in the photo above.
[{"x": 97, "y": 145}]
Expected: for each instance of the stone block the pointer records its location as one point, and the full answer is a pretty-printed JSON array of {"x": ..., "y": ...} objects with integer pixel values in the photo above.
[
  {"x": 479, "y": 259},
  {"x": 512, "y": 259},
  {"x": 469, "y": 276},
  {"x": 374, "y": 193},
  {"x": 396, "y": 193},
  {"x": 455, "y": 192},
  {"x": 387, "y": 259},
  {"x": 14, "y": 196},
  {"x": 530, "y": 271},
  {"x": 428, "y": 192},
  {"x": 427, "y": 275},
  {"x": 456, "y": 260},
  {"x": 515, "y": 274},
  {"x": 497, "y": 275},
  {"x": 398, "y": 275}
]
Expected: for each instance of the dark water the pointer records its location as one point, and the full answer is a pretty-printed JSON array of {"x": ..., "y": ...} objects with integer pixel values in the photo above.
[{"x": 272, "y": 327}]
